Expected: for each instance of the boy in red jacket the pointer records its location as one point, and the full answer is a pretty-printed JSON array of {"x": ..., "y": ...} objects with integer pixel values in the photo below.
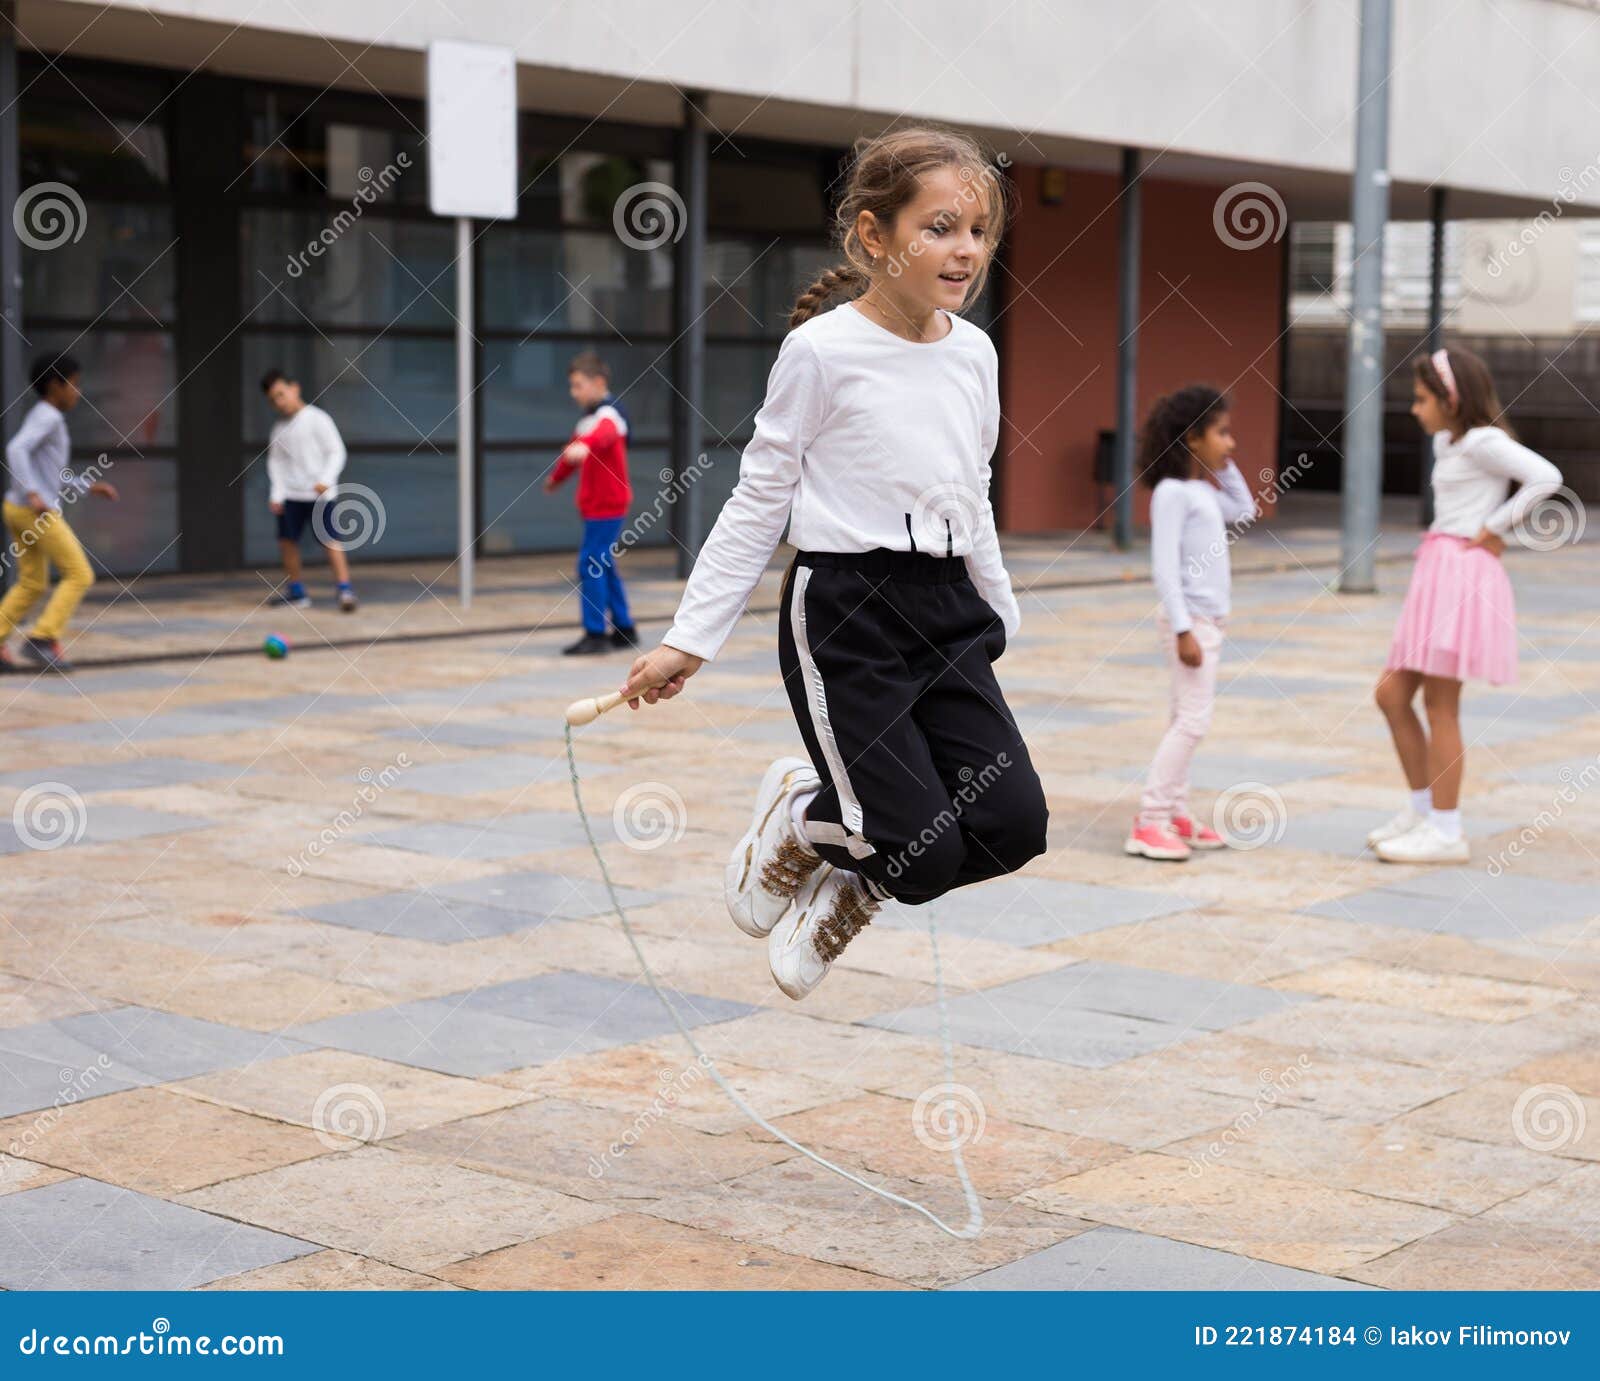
[{"x": 599, "y": 449}]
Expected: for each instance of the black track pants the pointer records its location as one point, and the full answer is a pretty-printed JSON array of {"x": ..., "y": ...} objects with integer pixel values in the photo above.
[{"x": 887, "y": 658}]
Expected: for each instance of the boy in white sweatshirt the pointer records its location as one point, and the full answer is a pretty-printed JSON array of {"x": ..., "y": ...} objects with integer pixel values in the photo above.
[{"x": 305, "y": 456}]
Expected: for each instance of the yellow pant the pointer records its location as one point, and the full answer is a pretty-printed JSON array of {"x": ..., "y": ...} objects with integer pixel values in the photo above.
[{"x": 38, "y": 541}]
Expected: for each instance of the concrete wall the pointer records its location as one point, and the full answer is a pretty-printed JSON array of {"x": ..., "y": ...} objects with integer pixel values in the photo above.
[{"x": 1491, "y": 95}]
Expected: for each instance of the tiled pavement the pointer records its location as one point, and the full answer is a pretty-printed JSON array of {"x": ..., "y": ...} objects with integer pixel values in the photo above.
[{"x": 307, "y": 979}]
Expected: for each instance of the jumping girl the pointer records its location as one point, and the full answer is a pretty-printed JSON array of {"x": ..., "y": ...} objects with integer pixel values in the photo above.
[
  {"x": 1459, "y": 621},
  {"x": 1196, "y": 493},
  {"x": 873, "y": 447}
]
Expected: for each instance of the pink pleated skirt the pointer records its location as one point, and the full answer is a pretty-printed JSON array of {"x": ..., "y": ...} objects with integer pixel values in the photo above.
[{"x": 1459, "y": 619}]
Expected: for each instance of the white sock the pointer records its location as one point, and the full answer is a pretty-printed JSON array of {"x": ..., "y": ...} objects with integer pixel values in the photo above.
[
  {"x": 1447, "y": 822},
  {"x": 797, "y": 813},
  {"x": 1422, "y": 801}
]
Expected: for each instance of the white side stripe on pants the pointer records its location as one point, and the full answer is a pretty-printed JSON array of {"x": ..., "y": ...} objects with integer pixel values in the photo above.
[{"x": 817, "y": 703}]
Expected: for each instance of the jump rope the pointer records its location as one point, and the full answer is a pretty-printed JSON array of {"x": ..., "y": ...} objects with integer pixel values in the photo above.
[{"x": 582, "y": 712}]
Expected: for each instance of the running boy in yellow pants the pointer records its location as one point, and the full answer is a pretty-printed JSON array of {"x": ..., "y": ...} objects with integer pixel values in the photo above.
[{"x": 40, "y": 536}]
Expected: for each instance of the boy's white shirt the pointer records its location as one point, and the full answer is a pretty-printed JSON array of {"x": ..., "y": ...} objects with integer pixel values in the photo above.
[
  {"x": 862, "y": 433},
  {"x": 305, "y": 450}
]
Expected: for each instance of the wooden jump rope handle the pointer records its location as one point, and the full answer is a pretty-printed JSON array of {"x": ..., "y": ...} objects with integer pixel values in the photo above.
[{"x": 586, "y": 711}]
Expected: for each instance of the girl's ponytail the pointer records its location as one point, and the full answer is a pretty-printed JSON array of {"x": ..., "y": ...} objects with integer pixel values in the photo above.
[{"x": 841, "y": 277}]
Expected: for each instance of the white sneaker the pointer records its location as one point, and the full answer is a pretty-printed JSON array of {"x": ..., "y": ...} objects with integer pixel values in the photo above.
[
  {"x": 1424, "y": 845},
  {"x": 1403, "y": 823},
  {"x": 831, "y": 910},
  {"x": 771, "y": 863}
]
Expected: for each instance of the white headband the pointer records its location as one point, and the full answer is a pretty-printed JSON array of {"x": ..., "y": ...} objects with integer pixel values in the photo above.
[{"x": 1440, "y": 360}]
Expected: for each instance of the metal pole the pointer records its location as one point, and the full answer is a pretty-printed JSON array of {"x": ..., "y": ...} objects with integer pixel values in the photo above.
[
  {"x": 689, "y": 359},
  {"x": 1435, "y": 339},
  {"x": 1364, "y": 381},
  {"x": 465, "y": 517},
  {"x": 1127, "y": 347},
  {"x": 12, "y": 382}
]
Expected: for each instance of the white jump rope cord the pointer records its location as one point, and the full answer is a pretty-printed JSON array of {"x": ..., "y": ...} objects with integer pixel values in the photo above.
[{"x": 974, "y": 1208}]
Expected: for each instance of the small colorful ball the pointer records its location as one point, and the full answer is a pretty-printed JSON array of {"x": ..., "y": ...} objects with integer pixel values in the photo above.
[{"x": 275, "y": 647}]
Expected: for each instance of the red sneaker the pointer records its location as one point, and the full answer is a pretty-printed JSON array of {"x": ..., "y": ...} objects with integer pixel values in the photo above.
[
  {"x": 1196, "y": 835},
  {"x": 1156, "y": 841}
]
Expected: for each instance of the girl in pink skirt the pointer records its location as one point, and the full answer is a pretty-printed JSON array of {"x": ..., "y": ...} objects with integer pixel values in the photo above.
[{"x": 1459, "y": 621}]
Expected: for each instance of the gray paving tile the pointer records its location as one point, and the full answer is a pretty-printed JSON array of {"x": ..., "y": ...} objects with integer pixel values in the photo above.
[
  {"x": 490, "y": 772},
  {"x": 1068, "y": 1035},
  {"x": 467, "y": 733},
  {"x": 111, "y": 733},
  {"x": 140, "y": 1045},
  {"x": 87, "y": 681},
  {"x": 1219, "y": 771},
  {"x": 618, "y": 1012},
  {"x": 503, "y": 836},
  {"x": 546, "y": 895},
  {"x": 1465, "y": 901},
  {"x": 1096, "y": 985},
  {"x": 1343, "y": 830},
  {"x": 444, "y": 1034},
  {"x": 28, "y": 1084},
  {"x": 1254, "y": 685},
  {"x": 1035, "y": 721},
  {"x": 424, "y": 916},
  {"x": 104, "y": 822},
  {"x": 1107, "y": 1258},
  {"x": 124, "y": 774},
  {"x": 1562, "y": 772},
  {"x": 295, "y": 705},
  {"x": 1019, "y": 910},
  {"x": 81, "y": 1234}
]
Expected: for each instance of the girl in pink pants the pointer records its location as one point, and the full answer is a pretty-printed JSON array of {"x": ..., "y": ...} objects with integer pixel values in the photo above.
[{"x": 1197, "y": 495}]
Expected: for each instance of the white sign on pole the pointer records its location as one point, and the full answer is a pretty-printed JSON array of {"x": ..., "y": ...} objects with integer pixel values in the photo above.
[
  {"x": 472, "y": 130},
  {"x": 472, "y": 173}
]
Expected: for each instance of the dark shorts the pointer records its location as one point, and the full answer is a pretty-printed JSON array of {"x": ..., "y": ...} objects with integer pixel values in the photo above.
[{"x": 298, "y": 514}]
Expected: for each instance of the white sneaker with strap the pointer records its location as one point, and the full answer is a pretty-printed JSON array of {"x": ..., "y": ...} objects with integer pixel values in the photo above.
[
  {"x": 771, "y": 863},
  {"x": 831, "y": 910},
  {"x": 1425, "y": 844}
]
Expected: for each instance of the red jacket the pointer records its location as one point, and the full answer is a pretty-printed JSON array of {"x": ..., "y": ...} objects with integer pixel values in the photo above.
[{"x": 603, "y": 488}]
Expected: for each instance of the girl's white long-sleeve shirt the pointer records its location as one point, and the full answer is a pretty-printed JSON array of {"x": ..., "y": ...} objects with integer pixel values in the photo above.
[
  {"x": 865, "y": 440},
  {"x": 1472, "y": 475},
  {"x": 1189, "y": 544}
]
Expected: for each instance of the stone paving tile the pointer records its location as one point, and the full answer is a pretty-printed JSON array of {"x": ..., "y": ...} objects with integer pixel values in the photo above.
[
  {"x": 1117, "y": 1259},
  {"x": 1464, "y": 901},
  {"x": 83, "y": 1235},
  {"x": 17, "y": 1174},
  {"x": 1484, "y": 1255},
  {"x": 1384, "y": 1160},
  {"x": 159, "y": 1143},
  {"x": 1450, "y": 995},
  {"x": 667, "y": 1079},
  {"x": 1031, "y": 911},
  {"x": 633, "y": 1252},
  {"x": 24, "y": 1001},
  {"x": 329, "y": 1270},
  {"x": 797, "y": 1207},
  {"x": 407, "y": 1210},
  {"x": 353, "y": 1095},
  {"x": 121, "y": 1048},
  {"x": 1508, "y": 1112},
  {"x": 1293, "y": 1222},
  {"x": 591, "y": 1153},
  {"x": 908, "y": 1139},
  {"x": 1264, "y": 1074},
  {"x": 444, "y": 1035},
  {"x": 119, "y": 775},
  {"x": 102, "y": 822},
  {"x": 1226, "y": 946}
]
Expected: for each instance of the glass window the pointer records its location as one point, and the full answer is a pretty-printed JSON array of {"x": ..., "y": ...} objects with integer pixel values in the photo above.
[
  {"x": 302, "y": 266},
  {"x": 576, "y": 280},
  {"x": 129, "y": 383},
  {"x": 598, "y": 189},
  {"x": 123, "y": 267},
  {"x": 102, "y": 134},
  {"x": 389, "y": 389},
  {"x": 416, "y": 497},
  {"x": 519, "y": 516},
  {"x": 751, "y": 284},
  {"x": 139, "y": 532},
  {"x": 736, "y": 383},
  {"x": 525, "y": 388},
  {"x": 296, "y": 150},
  {"x": 744, "y": 193}
]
